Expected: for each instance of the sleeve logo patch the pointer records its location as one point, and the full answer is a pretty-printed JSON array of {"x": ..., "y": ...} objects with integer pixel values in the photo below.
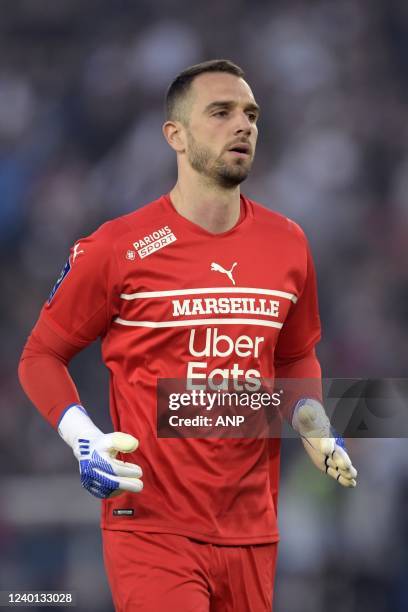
[
  {"x": 76, "y": 251},
  {"x": 60, "y": 279}
]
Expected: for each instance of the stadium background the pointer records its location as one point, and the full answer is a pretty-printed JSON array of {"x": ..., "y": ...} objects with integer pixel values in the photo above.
[{"x": 81, "y": 90}]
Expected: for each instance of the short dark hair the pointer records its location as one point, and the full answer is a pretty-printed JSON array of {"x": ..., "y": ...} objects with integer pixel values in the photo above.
[{"x": 180, "y": 86}]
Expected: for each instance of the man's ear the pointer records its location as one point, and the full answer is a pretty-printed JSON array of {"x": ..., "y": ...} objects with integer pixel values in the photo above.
[{"x": 173, "y": 132}]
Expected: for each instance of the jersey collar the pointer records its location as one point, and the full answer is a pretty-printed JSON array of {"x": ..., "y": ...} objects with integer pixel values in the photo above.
[{"x": 246, "y": 215}]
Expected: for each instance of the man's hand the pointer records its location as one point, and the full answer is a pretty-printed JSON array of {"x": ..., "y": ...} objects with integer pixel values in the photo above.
[
  {"x": 101, "y": 473},
  {"x": 324, "y": 447}
]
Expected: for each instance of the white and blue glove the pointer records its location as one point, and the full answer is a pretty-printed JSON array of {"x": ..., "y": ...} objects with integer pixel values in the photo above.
[
  {"x": 101, "y": 473},
  {"x": 325, "y": 448}
]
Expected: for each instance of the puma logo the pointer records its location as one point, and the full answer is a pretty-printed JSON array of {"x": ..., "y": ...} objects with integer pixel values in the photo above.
[{"x": 217, "y": 268}]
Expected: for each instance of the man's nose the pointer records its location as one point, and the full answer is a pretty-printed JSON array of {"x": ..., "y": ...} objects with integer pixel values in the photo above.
[{"x": 243, "y": 124}]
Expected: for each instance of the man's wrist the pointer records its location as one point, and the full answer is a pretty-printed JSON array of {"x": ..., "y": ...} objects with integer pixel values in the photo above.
[
  {"x": 313, "y": 419},
  {"x": 75, "y": 423}
]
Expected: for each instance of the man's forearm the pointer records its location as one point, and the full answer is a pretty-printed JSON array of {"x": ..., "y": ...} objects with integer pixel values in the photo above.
[
  {"x": 303, "y": 381},
  {"x": 44, "y": 375},
  {"x": 45, "y": 378}
]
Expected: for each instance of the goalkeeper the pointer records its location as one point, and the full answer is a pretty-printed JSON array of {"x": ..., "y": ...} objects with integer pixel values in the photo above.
[{"x": 201, "y": 281}]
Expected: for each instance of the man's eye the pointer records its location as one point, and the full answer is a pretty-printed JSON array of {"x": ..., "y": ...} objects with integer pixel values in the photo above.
[
  {"x": 252, "y": 116},
  {"x": 222, "y": 113}
]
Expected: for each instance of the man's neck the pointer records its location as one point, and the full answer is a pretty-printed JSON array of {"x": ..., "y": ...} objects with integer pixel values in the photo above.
[{"x": 214, "y": 209}]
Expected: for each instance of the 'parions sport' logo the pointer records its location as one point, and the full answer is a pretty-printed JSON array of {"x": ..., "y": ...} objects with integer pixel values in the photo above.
[{"x": 154, "y": 242}]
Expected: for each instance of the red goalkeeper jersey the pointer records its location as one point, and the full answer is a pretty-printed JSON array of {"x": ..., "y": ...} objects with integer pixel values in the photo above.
[{"x": 171, "y": 300}]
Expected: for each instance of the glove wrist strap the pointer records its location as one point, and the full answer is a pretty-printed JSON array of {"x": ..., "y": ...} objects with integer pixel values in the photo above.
[
  {"x": 300, "y": 403},
  {"x": 74, "y": 424}
]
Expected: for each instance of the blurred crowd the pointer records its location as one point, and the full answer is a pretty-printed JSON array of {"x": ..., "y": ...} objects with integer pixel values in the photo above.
[{"x": 81, "y": 107}]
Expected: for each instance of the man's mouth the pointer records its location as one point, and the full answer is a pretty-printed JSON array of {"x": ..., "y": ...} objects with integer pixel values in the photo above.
[{"x": 240, "y": 150}]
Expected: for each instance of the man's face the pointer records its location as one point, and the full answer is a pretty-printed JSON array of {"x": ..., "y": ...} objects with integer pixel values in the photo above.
[{"x": 222, "y": 130}]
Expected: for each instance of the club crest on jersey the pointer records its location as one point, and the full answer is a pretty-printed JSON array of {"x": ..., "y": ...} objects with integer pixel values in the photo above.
[
  {"x": 60, "y": 279},
  {"x": 215, "y": 267},
  {"x": 154, "y": 242}
]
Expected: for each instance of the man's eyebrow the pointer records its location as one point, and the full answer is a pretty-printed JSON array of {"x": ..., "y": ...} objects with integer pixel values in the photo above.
[{"x": 230, "y": 104}]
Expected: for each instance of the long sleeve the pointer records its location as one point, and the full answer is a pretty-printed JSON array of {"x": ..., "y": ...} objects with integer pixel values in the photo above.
[
  {"x": 77, "y": 312},
  {"x": 44, "y": 375},
  {"x": 295, "y": 355}
]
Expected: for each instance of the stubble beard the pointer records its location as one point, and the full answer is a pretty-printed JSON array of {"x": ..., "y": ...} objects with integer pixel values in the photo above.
[{"x": 225, "y": 175}]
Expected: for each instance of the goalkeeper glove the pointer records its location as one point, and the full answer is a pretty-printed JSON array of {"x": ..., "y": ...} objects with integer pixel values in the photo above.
[
  {"x": 325, "y": 448},
  {"x": 101, "y": 473}
]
